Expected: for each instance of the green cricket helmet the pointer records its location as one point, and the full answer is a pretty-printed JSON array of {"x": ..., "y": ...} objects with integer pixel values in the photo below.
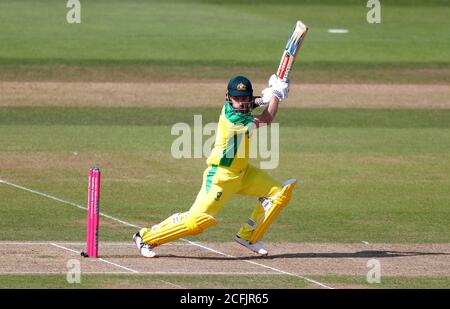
[{"x": 240, "y": 86}]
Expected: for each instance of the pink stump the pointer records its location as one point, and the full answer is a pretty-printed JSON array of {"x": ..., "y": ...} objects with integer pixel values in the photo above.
[{"x": 93, "y": 212}]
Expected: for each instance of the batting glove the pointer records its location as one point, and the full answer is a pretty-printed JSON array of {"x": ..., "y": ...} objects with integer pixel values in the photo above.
[
  {"x": 281, "y": 89},
  {"x": 272, "y": 80},
  {"x": 266, "y": 96},
  {"x": 277, "y": 88}
]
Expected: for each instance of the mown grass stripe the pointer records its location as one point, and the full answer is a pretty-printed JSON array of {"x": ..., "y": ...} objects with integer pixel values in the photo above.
[{"x": 291, "y": 117}]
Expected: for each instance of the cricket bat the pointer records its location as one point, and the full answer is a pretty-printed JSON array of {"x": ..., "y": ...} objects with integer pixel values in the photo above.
[{"x": 290, "y": 52}]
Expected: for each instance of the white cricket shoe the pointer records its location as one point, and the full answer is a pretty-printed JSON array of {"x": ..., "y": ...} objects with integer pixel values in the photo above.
[
  {"x": 145, "y": 249},
  {"x": 256, "y": 247}
]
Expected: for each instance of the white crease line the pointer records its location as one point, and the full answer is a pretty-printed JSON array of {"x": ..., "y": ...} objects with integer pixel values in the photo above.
[
  {"x": 291, "y": 274},
  {"x": 207, "y": 248},
  {"x": 191, "y": 242},
  {"x": 140, "y": 273},
  {"x": 64, "y": 248},
  {"x": 172, "y": 284},
  {"x": 262, "y": 265},
  {"x": 101, "y": 244},
  {"x": 134, "y": 245},
  {"x": 29, "y": 243},
  {"x": 365, "y": 242},
  {"x": 100, "y": 259},
  {"x": 67, "y": 202},
  {"x": 42, "y": 194},
  {"x": 117, "y": 265},
  {"x": 120, "y": 266},
  {"x": 205, "y": 273}
]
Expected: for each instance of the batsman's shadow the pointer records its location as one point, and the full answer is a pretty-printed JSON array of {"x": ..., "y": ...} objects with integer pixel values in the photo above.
[{"x": 305, "y": 255}]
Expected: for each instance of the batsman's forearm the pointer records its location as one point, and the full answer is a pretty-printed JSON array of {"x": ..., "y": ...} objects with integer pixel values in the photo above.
[{"x": 271, "y": 110}]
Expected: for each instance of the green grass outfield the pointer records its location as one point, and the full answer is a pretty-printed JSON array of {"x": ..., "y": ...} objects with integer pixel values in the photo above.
[
  {"x": 119, "y": 40},
  {"x": 156, "y": 282},
  {"x": 389, "y": 282},
  {"x": 219, "y": 282},
  {"x": 365, "y": 175},
  {"x": 374, "y": 175}
]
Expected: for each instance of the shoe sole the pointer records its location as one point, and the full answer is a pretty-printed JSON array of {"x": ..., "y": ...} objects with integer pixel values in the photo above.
[
  {"x": 266, "y": 254},
  {"x": 151, "y": 257}
]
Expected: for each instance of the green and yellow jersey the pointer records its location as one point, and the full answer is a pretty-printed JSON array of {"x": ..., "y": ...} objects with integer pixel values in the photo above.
[{"x": 232, "y": 145}]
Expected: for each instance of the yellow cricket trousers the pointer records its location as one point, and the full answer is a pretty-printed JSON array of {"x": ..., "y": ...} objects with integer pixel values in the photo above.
[{"x": 220, "y": 183}]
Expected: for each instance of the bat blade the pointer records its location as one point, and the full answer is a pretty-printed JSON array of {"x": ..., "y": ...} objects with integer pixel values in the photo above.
[{"x": 290, "y": 52}]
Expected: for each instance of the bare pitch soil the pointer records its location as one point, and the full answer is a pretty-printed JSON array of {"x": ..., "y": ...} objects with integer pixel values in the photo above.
[
  {"x": 151, "y": 94},
  {"x": 183, "y": 258}
]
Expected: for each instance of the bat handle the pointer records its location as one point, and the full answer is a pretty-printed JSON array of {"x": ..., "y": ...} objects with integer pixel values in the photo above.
[{"x": 282, "y": 79}]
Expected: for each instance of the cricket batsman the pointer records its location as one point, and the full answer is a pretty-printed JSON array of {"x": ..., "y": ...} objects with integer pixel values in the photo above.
[{"x": 229, "y": 173}]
